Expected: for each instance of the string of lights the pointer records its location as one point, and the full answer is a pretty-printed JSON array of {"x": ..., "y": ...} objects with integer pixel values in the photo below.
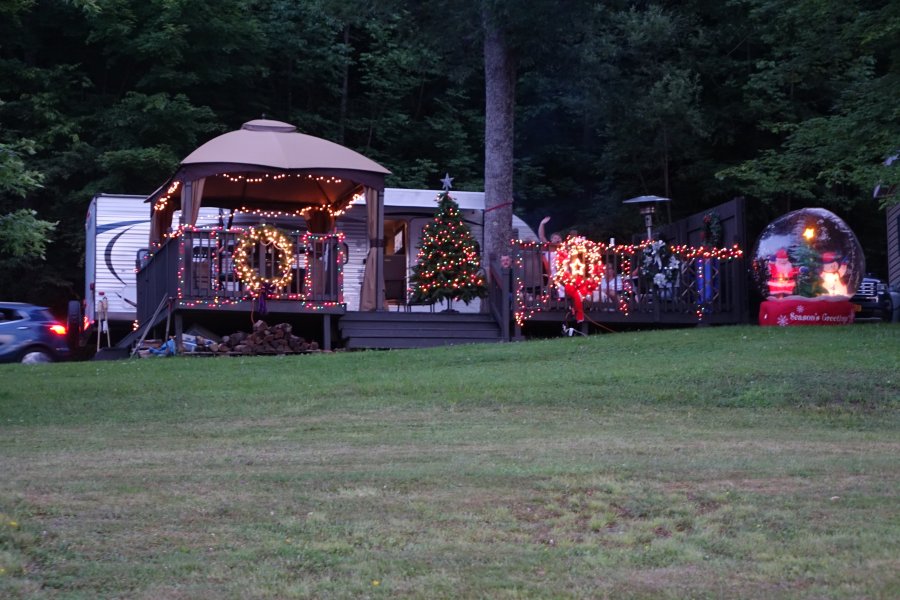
[
  {"x": 448, "y": 264},
  {"x": 261, "y": 239},
  {"x": 318, "y": 257},
  {"x": 579, "y": 264}
]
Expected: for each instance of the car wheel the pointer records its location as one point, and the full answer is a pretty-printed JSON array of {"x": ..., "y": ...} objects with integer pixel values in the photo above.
[{"x": 36, "y": 355}]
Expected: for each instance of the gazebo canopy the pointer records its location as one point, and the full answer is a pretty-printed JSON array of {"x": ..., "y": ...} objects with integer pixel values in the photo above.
[{"x": 268, "y": 166}]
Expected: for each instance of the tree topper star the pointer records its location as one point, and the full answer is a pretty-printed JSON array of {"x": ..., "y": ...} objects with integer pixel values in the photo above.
[{"x": 447, "y": 181}]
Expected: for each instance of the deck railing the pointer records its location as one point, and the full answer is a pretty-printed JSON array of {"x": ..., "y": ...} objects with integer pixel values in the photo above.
[
  {"x": 196, "y": 268},
  {"x": 698, "y": 289}
]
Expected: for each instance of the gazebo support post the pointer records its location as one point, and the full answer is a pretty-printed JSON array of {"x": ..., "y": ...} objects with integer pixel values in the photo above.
[
  {"x": 326, "y": 333},
  {"x": 379, "y": 262},
  {"x": 187, "y": 202}
]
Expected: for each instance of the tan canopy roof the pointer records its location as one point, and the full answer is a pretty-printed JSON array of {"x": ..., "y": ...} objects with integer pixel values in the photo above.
[
  {"x": 269, "y": 165},
  {"x": 276, "y": 145}
]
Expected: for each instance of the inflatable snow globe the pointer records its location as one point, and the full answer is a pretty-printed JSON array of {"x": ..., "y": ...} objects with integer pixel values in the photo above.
[{"x": 807, "y": 264}]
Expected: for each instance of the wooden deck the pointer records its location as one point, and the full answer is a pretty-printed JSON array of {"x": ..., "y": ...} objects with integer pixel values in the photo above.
[
  {"x": 523, "y": 303},
  {"x": 191, "y": 280},
  {"x": 391, "y": 330},
  {"x": 196, "y": 270},
  {"x": 702, "y": 291}
]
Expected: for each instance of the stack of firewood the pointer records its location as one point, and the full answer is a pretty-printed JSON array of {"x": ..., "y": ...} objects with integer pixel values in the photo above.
[{"x": 264, "y": 339}]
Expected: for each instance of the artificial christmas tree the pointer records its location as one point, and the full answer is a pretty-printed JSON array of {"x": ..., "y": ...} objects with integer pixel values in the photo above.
[
  {"x": 808, "y": 262},
  {"x": 448, "y": 266}
]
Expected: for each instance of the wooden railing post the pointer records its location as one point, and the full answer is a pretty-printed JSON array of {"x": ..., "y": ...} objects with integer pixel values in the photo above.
[
  {"x": 499, "y": 296},
  {"x": 505, "y": 299}
]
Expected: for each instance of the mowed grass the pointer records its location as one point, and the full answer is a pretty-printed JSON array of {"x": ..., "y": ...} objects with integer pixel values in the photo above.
[{"x": 737, "y": 462}]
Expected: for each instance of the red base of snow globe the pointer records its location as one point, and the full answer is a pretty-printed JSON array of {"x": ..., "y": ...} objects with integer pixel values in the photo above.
[{"x": 793, "y": 311}]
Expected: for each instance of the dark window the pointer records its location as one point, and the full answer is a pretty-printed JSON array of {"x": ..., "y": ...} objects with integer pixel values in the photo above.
[{"x": 10, "y": 314}]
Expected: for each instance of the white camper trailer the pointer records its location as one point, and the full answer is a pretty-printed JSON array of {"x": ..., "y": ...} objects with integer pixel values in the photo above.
[{"x": 118, "y": 229}]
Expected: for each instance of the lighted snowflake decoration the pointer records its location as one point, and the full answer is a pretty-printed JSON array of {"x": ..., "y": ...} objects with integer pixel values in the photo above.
[
  {"x": 782, "y": 321},
  {"x": 579, "y": 262}
]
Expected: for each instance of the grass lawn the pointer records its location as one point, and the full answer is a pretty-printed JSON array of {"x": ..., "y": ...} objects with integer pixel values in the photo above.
[{"x": 732, "y": 462}]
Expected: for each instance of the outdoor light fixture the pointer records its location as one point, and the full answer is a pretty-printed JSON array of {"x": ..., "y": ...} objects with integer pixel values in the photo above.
[{"x": 648, "y": 208}]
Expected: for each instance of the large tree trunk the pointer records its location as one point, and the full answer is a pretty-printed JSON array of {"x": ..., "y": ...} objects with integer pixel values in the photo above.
[
  {"x": 500, "y": 91},
  {"x": 345, "y": 87}
]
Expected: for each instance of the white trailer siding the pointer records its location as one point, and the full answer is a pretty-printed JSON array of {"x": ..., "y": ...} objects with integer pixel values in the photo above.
[
  {"x": 116, "y": 229},
  {"x": 353, "y": 226}
]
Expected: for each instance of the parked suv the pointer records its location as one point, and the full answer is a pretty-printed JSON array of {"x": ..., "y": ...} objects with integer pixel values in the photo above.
[
  {"x": 876, "y": 301},
  {"x": 30, "y": 334}
]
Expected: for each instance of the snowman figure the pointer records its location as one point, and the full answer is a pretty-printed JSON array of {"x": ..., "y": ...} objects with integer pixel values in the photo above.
[{"x": 832, "y": 275}]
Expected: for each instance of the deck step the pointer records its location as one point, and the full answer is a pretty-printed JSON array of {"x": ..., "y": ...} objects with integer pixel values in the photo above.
[{"x": 415, "y": 330}]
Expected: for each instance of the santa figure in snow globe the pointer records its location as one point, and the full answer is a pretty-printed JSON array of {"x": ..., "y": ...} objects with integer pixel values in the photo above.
[
  {"x": 805, "y": 264},
  {"x": 782, "y": 275}
]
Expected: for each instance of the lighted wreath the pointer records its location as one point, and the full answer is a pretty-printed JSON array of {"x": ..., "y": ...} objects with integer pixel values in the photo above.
[{"x": 283, "y": 249}]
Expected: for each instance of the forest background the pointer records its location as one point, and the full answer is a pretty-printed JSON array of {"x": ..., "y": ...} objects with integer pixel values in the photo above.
[{"x": 789, "y": 103}]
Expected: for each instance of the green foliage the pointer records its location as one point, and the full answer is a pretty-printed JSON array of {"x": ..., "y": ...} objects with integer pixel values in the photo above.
[
  {"x": 635, "y": 119},
  {"x": 139, "y": 148},
  {"x": 15, "y": 178},
  {"x": 829, "y": 109},
  {"x": 696, "y": 100},
  {"x": 23, "y": 235}
]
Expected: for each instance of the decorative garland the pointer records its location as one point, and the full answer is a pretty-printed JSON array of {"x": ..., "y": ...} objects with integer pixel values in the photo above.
[
  {"x": 267, "y": 235},
  {"x": 659, "y": 267}
]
